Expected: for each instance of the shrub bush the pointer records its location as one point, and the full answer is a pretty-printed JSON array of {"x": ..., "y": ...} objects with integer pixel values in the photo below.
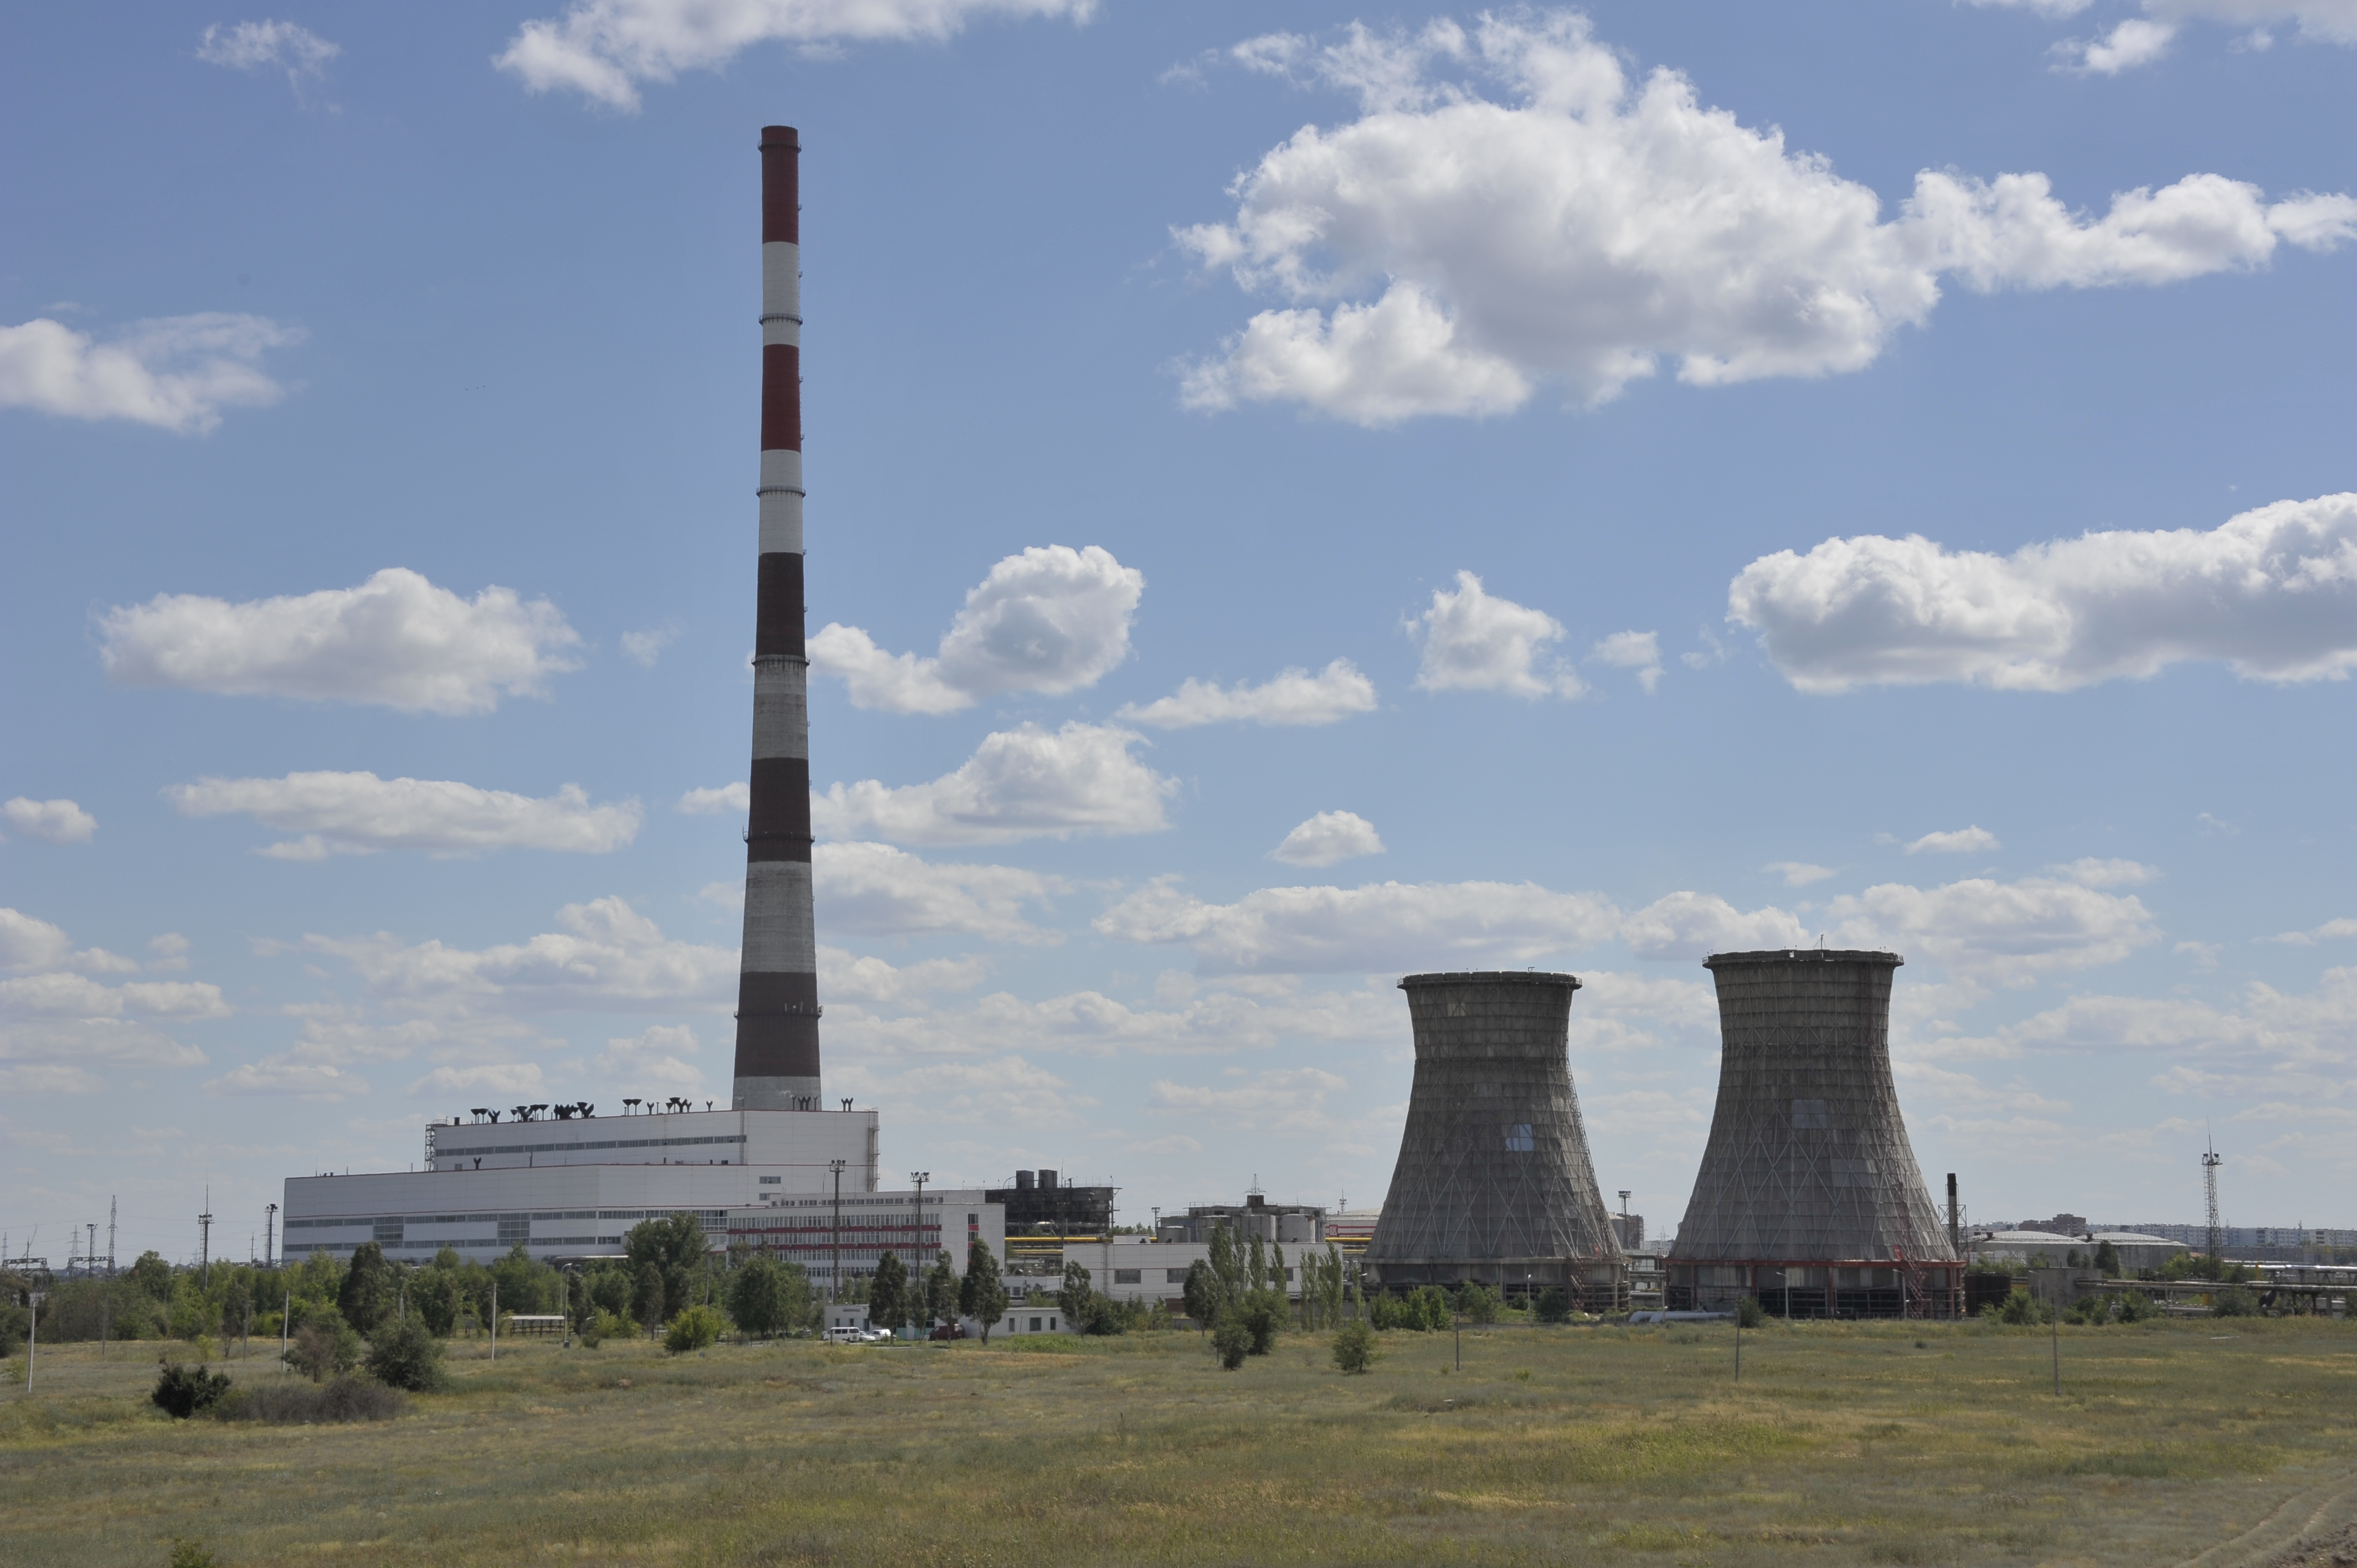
[
  {"x": 2019, "y": 1307},
  {"x": 2137, "y": 1307},
  {"x": 1554, "y": 1306},
  {"x": 1478, "y": 1301},
  {"x": 1432, "y": 1307},
  {"x": 405, "y": 1355},
  {"x": 1749, "y": 1313},
  {"x": 187, "y": 1553},
  {"x": 181, "y": 1391},
  {"x": 1354, "y": 1347},
  {"x": 1231, "y": 1340},
  {"x": 324, "y": 1347},
  {"x": 694, "y": 1329},
  {"x": 301, "y": 1404},
  {"x": 2233, "y": 1302}
]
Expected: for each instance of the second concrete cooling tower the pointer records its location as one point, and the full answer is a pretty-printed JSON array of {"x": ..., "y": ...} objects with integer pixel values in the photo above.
[
  {"x": 1494, "y": 1183},
  {"x": 1809, "y": 1198}
]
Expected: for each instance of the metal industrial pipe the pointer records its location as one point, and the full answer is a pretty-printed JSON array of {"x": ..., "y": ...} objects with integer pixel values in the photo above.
[{"x": 776, "y": 992}]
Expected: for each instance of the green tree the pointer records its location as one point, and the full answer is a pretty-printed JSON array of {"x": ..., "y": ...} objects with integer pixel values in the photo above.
[
  {"x": 366, "y": 1298},
  {"x": 1204, "y": 1292},
  {"x": 152, "y": 1275},
  {"x": 1354, "y": 1347},
  {"x": 181, "y": 1391},
  {"x": 1076, "y": 1298},
  {"x": 767, "y": 1297},
  {"x": 982, "y": 1295},
  {"x": 674, "y": 1248},
  {"x": 888, "y": 1294},
  {"x": 1263, "y": 1315},
  {"x": 1478, "y": 1301},
  {"x": 2137, "y": 1307},
  {"x": 1256, "y": 1266},
  {"x": 1227, "y": 1260},
  {"x": 324, "y": 1345},
  {"x": 405, "y": 1355},
  {"x": 525, "y": 1282},
  {"x": 942, "y": 1290},
  {"x": 435, "y": 1298},
  {"x": 2107, "y": 1259},
  {"x": 650, "y": 1300},
  {"x": 1750, "y": 1314}
]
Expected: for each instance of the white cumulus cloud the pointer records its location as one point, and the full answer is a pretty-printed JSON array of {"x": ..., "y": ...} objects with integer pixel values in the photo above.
[
  {"x": 604, "y": 49},
  {"x": 655, "y": 1057},
  {"x": 605, "y": 955},
  {"x": 2271, "y": 593},
  {"x": 1475, "y": 641},
  {"x": 1328, "y": 837},
  {"x": 396, "y": 639},
  {"x": 1294, "y": 697},
  {"x": 2141, "y": 40},
  {"x": 1960, "y": 840},
  {"x": 1695, "y": 925},
  {"x": 56, "y": 1026},
  {"x": 1798, "y": 873},
  {"x": 864, "y": 978},
  {"x": 357, "y": 813},
  {"x": 177, "y": 373},
  {"x": 1020, "y": 783},
  {"x": 1637, "y": 650},
  {"x": 712, "y": 803},
  {"x": 57, "y": 821},
  {"x": 1390, "y": 926},
  {"x": 1051, "y": 620},
  {"x": 2005, "y": 932},
  {"x": 877, "y": 890},
  {"x": 1509, "y": 210},
  {"x": 301, "y": 53},
  {"x": 2135, "y": 42}
]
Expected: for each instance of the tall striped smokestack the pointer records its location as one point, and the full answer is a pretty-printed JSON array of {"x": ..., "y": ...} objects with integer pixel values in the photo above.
[{"x": 777, "y": 991}]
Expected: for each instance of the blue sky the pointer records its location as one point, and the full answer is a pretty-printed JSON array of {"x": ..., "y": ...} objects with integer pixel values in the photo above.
[{"x": 1716, "y": 475}]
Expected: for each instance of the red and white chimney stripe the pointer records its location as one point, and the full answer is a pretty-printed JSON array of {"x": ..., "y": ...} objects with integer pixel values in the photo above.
[{"x": 777, "y": 990}]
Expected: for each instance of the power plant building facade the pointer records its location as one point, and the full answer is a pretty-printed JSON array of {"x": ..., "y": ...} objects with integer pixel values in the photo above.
[
  {"x": 1494, "y": 1183},
  {"x": 1809, "y": 1199}
]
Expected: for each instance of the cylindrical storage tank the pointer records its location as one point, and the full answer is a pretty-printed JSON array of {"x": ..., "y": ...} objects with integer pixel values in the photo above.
[
  {"x": 1047, "y": 1180},
  {"x": 1296, "y": 1230},
  {"x": 1809, "y": 1198},
  {"x": 1023, "y": 1181},
  {"x": 1494, "y": 1182}
]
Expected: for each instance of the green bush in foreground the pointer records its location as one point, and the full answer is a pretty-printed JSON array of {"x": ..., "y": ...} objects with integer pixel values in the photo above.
[
  {"x": 2233, "y": 1302},
  {"x": 301, "y": 1404},
  {"x": 181, "y": 1391},
  {"x": 1354, "y": 1347},
  {"x": 1232, "y": 1341},
  {"x": 1750, "y": 1314},
  {"x": 2137, "y": 1307},
  {"x": 1553, "y": 1307},
  {"x": 405, "y": 1355},
  {"x": 694, "y": 1329},
  {"x": 187, "y": 1553}
]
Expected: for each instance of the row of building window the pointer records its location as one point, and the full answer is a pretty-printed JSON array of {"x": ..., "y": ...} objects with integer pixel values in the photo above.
[{"x": 708, "y": 1216}]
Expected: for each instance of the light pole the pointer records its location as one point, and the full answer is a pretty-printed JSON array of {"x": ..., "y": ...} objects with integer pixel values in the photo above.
[
  {"x": 834, "y": 1267},
  {"x": 917, "y": 1241}
]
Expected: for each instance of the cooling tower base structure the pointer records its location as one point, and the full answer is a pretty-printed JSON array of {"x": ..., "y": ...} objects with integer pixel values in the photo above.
[
  {"x": 1809, "y": 1199},
  {"x": 1494, "y": 1183}
]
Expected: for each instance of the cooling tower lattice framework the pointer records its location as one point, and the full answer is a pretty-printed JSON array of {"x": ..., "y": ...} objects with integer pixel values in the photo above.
[
  {"x": 1494, "y": 1181},
  {"x": 1809, "y": 1198}
]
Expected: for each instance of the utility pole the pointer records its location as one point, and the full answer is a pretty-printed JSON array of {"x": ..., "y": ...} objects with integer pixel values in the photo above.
[
  {"x": 286, "y": 1320},
  {"x": 269, "y": 1238},
  {"x": 90, "y": 1259},
  {"x": 2210, "y": 1161},
  {"x": 32, "y": 1332},
  {"x": 205, "y": 1239},
  {"x": 1955, "y": 1231},
  {"x": 109, "y": 1238},
  {"x": 917, "y": 1241},
  {"x": 834, "y": 1267}
]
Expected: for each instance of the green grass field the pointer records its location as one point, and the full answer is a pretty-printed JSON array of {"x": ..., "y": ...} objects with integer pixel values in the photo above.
[{"x": 1922, "y": 1443}]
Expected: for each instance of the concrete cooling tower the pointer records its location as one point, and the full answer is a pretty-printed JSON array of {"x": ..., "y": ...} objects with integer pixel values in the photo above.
[
  {"x": 1809, "y": 1198},
  {"x": 1493, "y": 1181}
]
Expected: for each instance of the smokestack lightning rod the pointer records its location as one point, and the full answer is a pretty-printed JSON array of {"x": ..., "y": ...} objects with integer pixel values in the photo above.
[{"x": 777, "y": 991}]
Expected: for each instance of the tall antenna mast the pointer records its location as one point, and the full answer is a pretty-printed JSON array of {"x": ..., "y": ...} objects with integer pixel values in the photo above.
[
  {"x": 205, "y": 1238},
  {"x": 109, "y": 1238},
  {"x": 2210, "y": 1161}
]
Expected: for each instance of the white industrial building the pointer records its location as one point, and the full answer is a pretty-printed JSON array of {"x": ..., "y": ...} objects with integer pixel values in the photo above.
[
  {"x": 2135, "y": 1248},
  {"x": 572, "y": 1188}
]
